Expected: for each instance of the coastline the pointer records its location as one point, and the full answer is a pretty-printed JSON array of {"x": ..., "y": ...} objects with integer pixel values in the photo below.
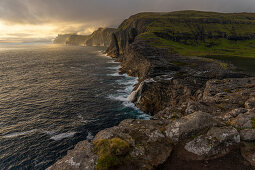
[{"x": 202, "y": 112}]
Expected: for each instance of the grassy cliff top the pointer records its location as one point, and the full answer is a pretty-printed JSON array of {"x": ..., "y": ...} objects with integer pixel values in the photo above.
[{"x": 198, "y": 33}]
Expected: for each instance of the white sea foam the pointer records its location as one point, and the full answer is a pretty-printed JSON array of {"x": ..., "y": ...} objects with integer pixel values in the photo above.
[
  {"x": 49, "y": 132},
  {"x": 103, "y": 54},
  {"x": 114, "y": 68},
  {"x": 90, "y": 136},
  {"x": 115, "y": 75},
  {"x": 125, "y": 95},
  {"x": 134, "y": 94},
  {"x": 113, "y": 62},
  {"x": 16, "y": 134},
  {"x": 63, "y": 135}
]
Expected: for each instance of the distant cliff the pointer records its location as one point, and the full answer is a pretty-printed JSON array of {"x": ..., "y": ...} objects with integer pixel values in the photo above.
[
  {"x": 77, "y": 40},
  {"x": 62, "y": 38},
  {"x": 101, "y": 37}
]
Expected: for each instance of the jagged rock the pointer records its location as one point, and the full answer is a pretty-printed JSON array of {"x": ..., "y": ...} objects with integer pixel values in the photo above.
[
  {"x": 189, "y": 125},
  {"x": 248, "y": 152},
  {"x": 149, "y": 145},
  {"x": 216, "y": 143},
  {"x": 247, "y": 134},
  {"x": 82, "y": 157}
]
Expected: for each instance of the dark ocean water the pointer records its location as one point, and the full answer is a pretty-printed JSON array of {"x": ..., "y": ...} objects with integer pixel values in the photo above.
[{"x": 52, "y": 97}]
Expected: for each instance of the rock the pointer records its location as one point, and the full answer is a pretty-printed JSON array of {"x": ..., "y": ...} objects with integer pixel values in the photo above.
[
  {"x": 149, "y": 146},
  {"x": 248, "y": 152},
  {"x": 82, "y": 157},
  {"x": 216, "y": 143},
  {"x": 233, "y": 113},
  {"x": 189, "y": 125},
  {"x": 247, "y": 134},
  {"x": 250, "y": 104},
  {"x": 242, "y": 121}
]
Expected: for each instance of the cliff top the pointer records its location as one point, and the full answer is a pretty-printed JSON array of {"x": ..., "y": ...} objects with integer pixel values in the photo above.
[{"x": 224, "y": 36}]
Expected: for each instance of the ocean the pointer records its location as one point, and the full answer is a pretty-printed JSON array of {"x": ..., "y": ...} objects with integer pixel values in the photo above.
[{"x": 54, "y": 96}]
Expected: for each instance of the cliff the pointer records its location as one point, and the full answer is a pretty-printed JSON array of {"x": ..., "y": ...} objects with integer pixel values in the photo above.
[
  {"x": 100, "y": 37},
  {"x": 203, "y": 110},
  {"x": 61, "y": 38},
  {"x": 78, "y": 40}
]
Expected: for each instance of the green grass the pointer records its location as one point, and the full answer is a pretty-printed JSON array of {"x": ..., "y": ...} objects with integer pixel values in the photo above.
[
  {"x": 223, "y": 36},
  {"x": 221, "y": 47}
]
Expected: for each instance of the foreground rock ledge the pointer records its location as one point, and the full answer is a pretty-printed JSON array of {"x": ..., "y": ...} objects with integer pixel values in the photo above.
[{"x": 146, "y": 144}]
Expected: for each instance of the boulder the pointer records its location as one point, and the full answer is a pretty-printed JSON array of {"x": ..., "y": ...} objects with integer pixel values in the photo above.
[
  {"x": 149, "y": 146},
  {"x": 189, "y": 125},
  {"x": 216, "y": 143}
]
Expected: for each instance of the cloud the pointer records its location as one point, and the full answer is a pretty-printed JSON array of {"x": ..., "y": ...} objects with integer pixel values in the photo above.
[
  {"x": 86, "y": 15},
  {"x": 105, "y": 11}
]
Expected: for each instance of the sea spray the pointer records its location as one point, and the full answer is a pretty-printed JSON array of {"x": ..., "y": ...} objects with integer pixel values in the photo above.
[{"x": 126, "y": 95}]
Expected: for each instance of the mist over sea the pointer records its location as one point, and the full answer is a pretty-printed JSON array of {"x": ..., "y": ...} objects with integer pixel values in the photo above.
[{"x": 54, "y": 96}]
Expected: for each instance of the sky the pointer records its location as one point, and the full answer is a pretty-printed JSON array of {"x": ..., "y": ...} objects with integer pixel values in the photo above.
[{"x": 41, "y": 20}]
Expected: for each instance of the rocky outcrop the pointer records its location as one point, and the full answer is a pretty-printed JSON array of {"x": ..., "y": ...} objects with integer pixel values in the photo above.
[
  {"x": 202, "y": 109},
  {"x": 217, "y": 142}
]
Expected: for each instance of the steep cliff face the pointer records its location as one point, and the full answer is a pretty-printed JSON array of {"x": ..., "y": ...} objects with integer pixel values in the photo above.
[
  {"x": 150, "y": 46},
  {"x": 77, "y": 40},
  {"x": 101, "y": 37},
  {"x": 62, "y": 38}
]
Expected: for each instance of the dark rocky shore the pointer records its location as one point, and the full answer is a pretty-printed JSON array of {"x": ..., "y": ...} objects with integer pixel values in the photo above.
[{"x": 203, "y": 112}]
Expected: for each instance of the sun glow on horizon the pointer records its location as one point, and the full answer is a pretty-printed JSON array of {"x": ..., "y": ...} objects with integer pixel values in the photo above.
[{"x": 18, "y": 33}]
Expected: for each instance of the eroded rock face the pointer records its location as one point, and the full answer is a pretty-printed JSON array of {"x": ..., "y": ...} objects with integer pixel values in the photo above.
[
  {"x": 189, "y": 125},
  {"x": 215, "y": 143},
  {"x": 82, "y": 157}
]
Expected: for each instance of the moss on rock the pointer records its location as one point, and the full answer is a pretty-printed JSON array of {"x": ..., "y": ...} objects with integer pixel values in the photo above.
[{"x": 111, "y": 153}]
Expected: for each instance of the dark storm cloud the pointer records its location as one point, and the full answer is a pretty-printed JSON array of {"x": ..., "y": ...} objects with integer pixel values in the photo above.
[{"x": 106, "y": 12}]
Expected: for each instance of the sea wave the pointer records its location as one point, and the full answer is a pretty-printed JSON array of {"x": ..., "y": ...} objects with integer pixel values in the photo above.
[
  {"x": 63, "y": 135},
  {"x": 16, "y": 134},
  {"x": 125, "y": 94}
]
